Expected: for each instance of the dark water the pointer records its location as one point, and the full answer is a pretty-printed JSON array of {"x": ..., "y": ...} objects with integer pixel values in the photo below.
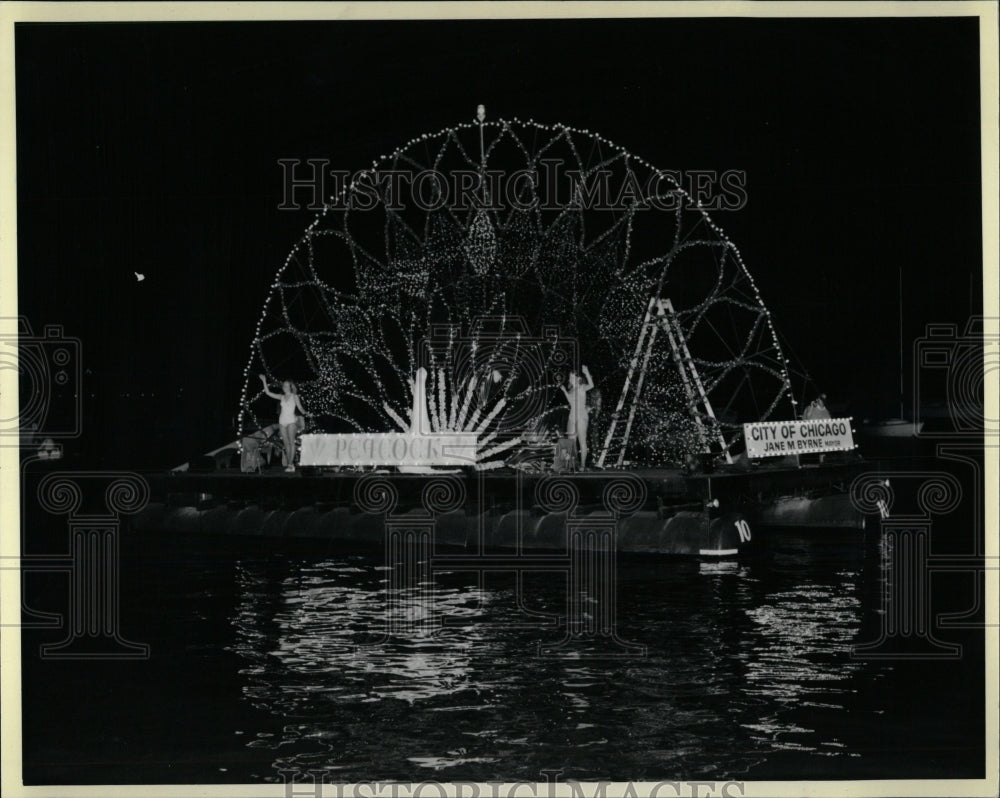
[{"x": 263, "y": 663}]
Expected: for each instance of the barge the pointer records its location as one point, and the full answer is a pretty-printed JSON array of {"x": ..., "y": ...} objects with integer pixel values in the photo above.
[
  {"x": 649, "y": 511},
  {"x": 459, "y": 341}
]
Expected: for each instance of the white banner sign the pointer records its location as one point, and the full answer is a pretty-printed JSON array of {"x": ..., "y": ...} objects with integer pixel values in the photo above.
[
  {"x": 779, "y": 438},
  {"x": 389, "y": 449}
]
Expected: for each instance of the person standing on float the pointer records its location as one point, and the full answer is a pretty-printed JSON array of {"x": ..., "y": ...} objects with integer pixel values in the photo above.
[
  {"x": 577, "y": 425},
  {"x": 288, "y": 422},
  {"x": 816, "y": 408},
  {"x": 420, "y": 423}
]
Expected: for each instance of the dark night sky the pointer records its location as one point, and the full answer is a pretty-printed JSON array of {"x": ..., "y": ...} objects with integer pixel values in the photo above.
[{"x": 154, "y": 148}]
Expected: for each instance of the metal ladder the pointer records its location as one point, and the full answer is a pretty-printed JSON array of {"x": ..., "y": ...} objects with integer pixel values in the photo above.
[{"x": 659, "y": 314}]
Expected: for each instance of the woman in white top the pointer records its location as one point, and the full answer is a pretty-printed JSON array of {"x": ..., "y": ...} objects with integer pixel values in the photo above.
[
  {"x": 287, "y": 421},
  {"x": 578, "y": 410}
]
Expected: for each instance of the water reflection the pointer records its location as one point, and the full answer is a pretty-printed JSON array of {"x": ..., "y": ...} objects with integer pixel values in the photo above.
[
  {"x": 800, "y": 664},
  {"x": 744, "y": 661},
  {"x": 328, "y": 643}
]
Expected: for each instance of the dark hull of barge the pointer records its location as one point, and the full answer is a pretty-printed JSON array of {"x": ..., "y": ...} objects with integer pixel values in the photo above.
[{"x": 651, "y": 511}]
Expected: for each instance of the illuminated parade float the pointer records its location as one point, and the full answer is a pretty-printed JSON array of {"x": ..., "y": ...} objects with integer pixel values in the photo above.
[{"x": 508, "y": 332}]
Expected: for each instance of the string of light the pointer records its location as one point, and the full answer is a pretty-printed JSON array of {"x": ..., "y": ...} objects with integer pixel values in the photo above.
[{"x": 353, "y": 350}]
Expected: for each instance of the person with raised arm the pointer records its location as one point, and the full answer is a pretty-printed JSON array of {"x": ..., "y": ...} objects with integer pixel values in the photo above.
[
  {"x": 576, "y": 395},
  {"x": 287, "y": 421}
]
